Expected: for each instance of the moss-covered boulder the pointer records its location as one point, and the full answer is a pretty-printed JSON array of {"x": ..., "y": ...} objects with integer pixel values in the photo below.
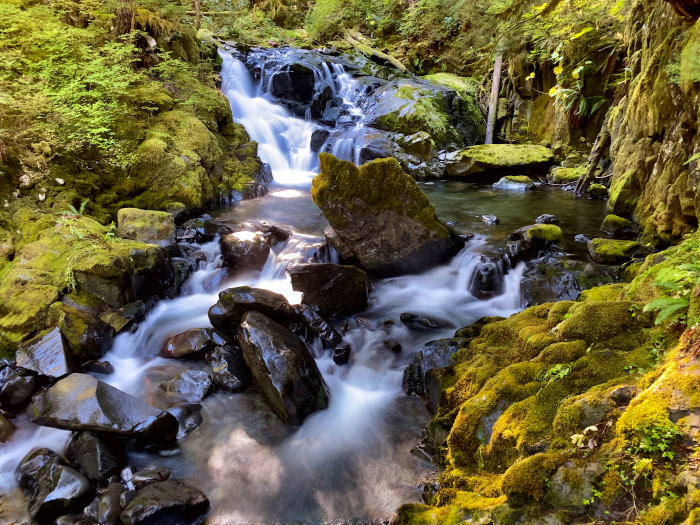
[
  {"x": 619, "y": 227},
  {"x": 614, "y": 251},
  {"x": 450, "y": 116},
  {"x": 566, "y": 175},
  {"x": 381, "y": 215},
  {"x": 597, "y": 191},
  {"x": 488, "y": 162},
  {"x": 58, "y": 254},
  {"x": 157, "y": 227}
]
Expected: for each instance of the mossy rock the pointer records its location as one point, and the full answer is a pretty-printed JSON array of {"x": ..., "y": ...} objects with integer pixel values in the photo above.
[
  {"x": 597, "y": 191},
  {"x": 566, "y": 175},
  {"x": 489, "y": 161},
  {"x": 545, "y": 233},
  {"x": 528, "y": 479},
  {"x": 157, "y": 227},
  {"x": 614, "y": 251},
  {"x": 618, "y": 227},
  {"x": 515, "y": 182},
  {"x": 419, "y": 144},
  {"x": 379, "y": 212}
]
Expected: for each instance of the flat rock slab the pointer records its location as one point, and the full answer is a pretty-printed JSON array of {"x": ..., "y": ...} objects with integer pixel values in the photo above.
[
  {"x": 81, "y": 402},
  {"x": 488, "y": 162}
]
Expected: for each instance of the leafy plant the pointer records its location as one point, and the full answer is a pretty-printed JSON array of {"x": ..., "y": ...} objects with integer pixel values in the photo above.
[
  {"x": 72, "y": 211},
  {"x": 558, "y": 371},
  {"x": 677, "y": 284}
]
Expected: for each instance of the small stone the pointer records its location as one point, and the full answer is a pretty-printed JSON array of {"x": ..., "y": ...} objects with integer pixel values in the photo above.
[
  {"x": 16, "y": 388},
  {"x": 418, "y": 322},
  {"x": 490, "y": 219},
  {"x": 189, "y": 416},
  {"x": 581, "y": 238},
  {"x": 150, "y": 474},
  {"x": 192, "y": 385},
  {"x": 392, "y": 346},
  {"x": 167, "y": 501},
  {"x": 341, "y": 354},
  {"x": 547, "y": 218}
]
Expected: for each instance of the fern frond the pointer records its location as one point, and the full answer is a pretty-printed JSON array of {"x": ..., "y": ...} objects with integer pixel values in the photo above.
[{"x": 671, "y": 312}]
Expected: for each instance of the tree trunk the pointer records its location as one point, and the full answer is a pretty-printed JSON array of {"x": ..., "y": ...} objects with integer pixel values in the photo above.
[
  {"x": 493, "y": 101},
  {"x": 597, "y": 152},
  {"x": 197, "y": 15}
]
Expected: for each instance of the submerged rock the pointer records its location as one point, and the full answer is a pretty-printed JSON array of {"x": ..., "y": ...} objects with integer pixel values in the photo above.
[
  {"x": 192, "y": 385},
  {"x": 381, "y": 215},
  {"x": 335, "y": 290},
  {"x": 515, "y": 182},
  {"x": 283, "y": 369},
  {"x": 47, "y": 354},
  {"x": 81, "y": 402},
  {"x": 421, "y": 323},
  {"x": 229, "y": 371},
  {"x": 156, "y": 227},
  {"x": 488, "y": 162},
  {"x": 189, "y": 416},
  {"x": 165, "y": 502}
]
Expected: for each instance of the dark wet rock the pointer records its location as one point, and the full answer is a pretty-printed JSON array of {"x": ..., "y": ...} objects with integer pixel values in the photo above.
[
  {"x": 392, "y": 345},
  {"x": 97, "y": 456},
  {"x": 167, "y": 502},
  {"x": 382, "y": 216},
  {"x": 490, "y": 219},
  {"x": 81, "y": 402},
  {"x": 294, "y": 83},
  {"x": 283, "y": 369},
  {"x": 192, "y": 385},
  {"x": 229, "y": 371},
  {"x": 271, "y": 233},
  {"x": 487, "y": 279},
  {"x": 613, "y": 251},
  {"x": 16, "y": 388},
  {"x": 341, "y": 354},
  {"x": 334, "y": 290},
  {"x": 438, "y": 353},
  {"x": 323, "y": 96},
  {"x": 189, "y": 417},
  {"x": 551, "y": 279},
  {"x": 58, "y": 490},
  {"x": 99, "y": 367},
  {"x": 191, "y": 344},
  {"x": 135, "y": 311},
  {"x": 29, "y": 466},
  {"x": 47, "y": 354},
  {"x": 622, "y": 395},
  {"x": 108, "y": 504},
  {"x": 320, "y": 326},
  {"x": 155, "y": 227},
  {"x": 619, "y": 227},
  {"x": 421, "y": 323},
  {"x": 547, "y": 218},
  {"x": 148, "y": 475},
  {"x": 473, "y": 330},
  {"x": 318, "y": 139},
  {"x": 423, "y": 376},
  {"x": 75, "y": 520},
  {"x": 227, "y": 313},
  {"x": 6, "y": 429},
  {"x": 245, "y": 250},
  {"x": 488, "y": 162},
  {"x": 88, "y": 337},
  {"x": 581, "y": 238},
  {"x": 201, "y": 229}
]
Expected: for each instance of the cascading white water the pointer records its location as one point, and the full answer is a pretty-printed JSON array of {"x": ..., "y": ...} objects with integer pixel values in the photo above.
[{"x": 350, "y": 460}]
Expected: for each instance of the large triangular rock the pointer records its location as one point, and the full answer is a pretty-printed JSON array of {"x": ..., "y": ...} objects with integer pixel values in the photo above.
[
  {"x": 81, "y": 402},
  {"x": 382, "y": 216},
  {"x": 47, "y": 354}
]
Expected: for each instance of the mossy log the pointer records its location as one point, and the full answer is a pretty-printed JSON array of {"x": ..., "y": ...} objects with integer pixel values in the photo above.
[{"x": 360, "y": 43}]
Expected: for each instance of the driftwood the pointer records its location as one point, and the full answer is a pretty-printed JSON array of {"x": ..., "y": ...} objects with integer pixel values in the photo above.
[
  {"x": 596, "y": 154},
  {"x": 359, "y": 42},
  {"x": 493, "y": 101}
]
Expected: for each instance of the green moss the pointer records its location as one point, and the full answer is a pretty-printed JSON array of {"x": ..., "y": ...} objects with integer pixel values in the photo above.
[
  {"x": 521, "y": 179},
  {"x": 690, "y": 58},
  {"x": 612, "y": 251},
  {"x": 597, "y": 190},
  {"x": 528, "y": 478},
  {"x": 562, "y": 352},
  {"x": 544, "y": 232},
  {"x": 496, "y": 156},
  {"x": 608, "y": 292},
  {"x": 567, "y": 175},
  {"x": 614, "y": 223}
]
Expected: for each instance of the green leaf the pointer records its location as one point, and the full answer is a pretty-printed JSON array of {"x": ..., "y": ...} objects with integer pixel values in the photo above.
[{"x": 582, "y": 32}]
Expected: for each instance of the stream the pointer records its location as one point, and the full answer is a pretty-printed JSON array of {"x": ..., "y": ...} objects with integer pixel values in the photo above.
[{"x": 351, "y": 461}]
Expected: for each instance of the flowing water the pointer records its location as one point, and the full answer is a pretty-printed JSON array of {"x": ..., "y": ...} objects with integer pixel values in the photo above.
[{"x": 353, "y": 459}]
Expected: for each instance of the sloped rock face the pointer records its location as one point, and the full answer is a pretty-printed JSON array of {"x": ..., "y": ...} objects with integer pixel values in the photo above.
[
  {"x": 157, "y": 227},
  {"x": 283, "y": 369},
  {"x": 381, "y": 215},
  {"x": 165, "y": 502},
  {"x": 81, "y": 402},
  {"x": 654, "y": 128},
  {"x": 47, "y": 354}
]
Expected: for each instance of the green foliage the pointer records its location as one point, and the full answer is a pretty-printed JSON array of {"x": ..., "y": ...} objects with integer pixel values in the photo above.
[
  {"x": 676, "y": 284},
  {"x": 73, "y": 212}
]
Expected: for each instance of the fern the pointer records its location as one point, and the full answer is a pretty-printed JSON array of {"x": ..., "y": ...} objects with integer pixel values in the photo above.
[{"x": 669, "y": 308}]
